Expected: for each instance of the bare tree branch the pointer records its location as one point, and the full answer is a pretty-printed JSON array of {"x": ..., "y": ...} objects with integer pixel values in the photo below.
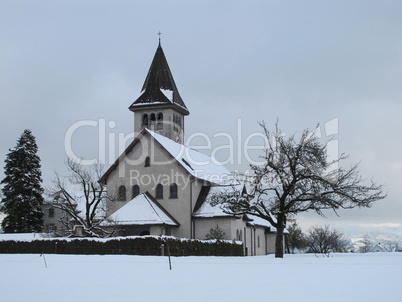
[
  {"x": 295, "y": 178},
  {"x": 82, "y": 197}
]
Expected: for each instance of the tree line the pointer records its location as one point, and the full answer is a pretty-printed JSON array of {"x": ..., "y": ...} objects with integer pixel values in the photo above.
[
  {"x": 325, "y": 240},
  {"x": 318, "y": 240}
]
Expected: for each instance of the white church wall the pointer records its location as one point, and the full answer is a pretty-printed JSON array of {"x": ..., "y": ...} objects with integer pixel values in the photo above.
[
  {"x": 168, "y": 126},
  {"x": 257, "y": 242},
  {"x": 202, "y": 226},
  {"x": 231, "y": 226},
  {"x": 237, "y": 229},
  {"x": 260, "y": 241},
  {"x": 163, "y": 170},
  {"x": 270, "y": 243}
]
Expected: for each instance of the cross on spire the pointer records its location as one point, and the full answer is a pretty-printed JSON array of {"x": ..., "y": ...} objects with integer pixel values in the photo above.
[{"x": 159, "y": 34}]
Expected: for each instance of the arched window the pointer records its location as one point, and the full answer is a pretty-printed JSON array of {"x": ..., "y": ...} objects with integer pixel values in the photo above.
[
  {"x": 159, "y": 120},
  {"x": 145, "y": 120},
  {"x": 159, "y": 191},
  {"x": 135, "y": 191},
  {"x": 122, "y": 193},
  {"x": 153, "y": 118},
  {"x": 173, "y": 191},
  {"x": 147, "y": 162}
]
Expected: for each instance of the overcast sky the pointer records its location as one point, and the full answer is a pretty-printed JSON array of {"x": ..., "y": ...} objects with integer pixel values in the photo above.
[{"x": 234, "y": 62}]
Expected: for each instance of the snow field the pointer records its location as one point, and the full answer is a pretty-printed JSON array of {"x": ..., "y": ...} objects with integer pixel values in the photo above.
[{"x": 342, "y": 277}]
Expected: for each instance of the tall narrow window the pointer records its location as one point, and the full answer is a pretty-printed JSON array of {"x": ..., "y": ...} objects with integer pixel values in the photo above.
[
  {"x": 173, "y": 191},
  {"x": 145, "y": 120},
  {"x": 159, "y": 191},
  {"x": 122, "y": 193},
  {"x": 153, "y": 118},
  {"x": 159, "y": 120},
  {"x": 147, "y": 162},
  {"x": 51, "y": 212},
  {"x": 136, "y": 191}
]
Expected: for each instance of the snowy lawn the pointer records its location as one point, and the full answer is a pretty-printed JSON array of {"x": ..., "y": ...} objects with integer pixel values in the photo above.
[{"x": 342, "y": 277}]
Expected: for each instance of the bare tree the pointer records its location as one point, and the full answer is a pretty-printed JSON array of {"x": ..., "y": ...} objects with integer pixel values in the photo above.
[
  {"x": 82, "y": 198},
  {"x": 295, "y": 178},
  {"x": 323, "y": 240},
  {"x": 365, "y": 244}
]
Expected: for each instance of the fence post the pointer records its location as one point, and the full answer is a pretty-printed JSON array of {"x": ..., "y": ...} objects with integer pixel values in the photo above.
[{"x": 170, "y": 262}]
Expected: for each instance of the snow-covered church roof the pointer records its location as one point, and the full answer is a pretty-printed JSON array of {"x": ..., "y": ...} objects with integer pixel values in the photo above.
[
  {"x": 204, "y": 208},
  {"x": 142, "y": 210},
  {"x": 196, "y": 163},
  {"x": 258, "y": 221}
]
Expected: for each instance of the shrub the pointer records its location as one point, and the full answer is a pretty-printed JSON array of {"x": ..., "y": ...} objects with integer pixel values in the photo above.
[{"x": 124, "y": 246}]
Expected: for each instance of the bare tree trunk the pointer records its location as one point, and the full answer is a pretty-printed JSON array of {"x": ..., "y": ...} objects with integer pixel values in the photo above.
[{"x": 279, "y": 251}]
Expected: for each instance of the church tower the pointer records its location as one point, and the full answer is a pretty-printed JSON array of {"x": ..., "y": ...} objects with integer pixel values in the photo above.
[{"x": 160, "y": 107}]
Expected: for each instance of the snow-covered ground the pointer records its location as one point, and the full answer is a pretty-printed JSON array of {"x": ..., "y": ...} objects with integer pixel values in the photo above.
[{"x": 341, "y": 277}]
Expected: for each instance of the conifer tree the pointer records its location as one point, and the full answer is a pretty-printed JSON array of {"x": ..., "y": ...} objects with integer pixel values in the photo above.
[{"x": 22, "y": 189}]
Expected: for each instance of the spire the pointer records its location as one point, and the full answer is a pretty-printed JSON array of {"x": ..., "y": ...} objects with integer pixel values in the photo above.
[{"x": 159, "y": 87}]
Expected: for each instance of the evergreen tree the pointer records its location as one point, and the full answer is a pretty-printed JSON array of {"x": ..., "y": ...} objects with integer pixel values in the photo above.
[
  {"x": 215, "y": 233},
  {"x": 22, "y": 189}
]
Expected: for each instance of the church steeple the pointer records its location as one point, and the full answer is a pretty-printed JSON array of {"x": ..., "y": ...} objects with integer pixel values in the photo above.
[{"x": 160, "y": 106}]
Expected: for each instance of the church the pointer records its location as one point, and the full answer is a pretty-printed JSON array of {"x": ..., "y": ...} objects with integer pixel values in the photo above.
[{"x": 161, "y": 187}]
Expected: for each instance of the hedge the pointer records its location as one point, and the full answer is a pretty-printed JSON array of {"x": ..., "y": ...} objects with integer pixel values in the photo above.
[{"x": 124, "y": 246}]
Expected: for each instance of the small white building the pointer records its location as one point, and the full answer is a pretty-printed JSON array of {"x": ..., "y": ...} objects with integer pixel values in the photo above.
[
  {"x": 54, "y": 219},
  {"x": 384, "y": 248}
]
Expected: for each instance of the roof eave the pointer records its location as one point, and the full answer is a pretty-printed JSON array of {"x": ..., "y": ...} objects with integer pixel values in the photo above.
[
  {"x": 103, "y": 178},
  {"x": 215, "y": 216},
  {"x": 162, "y": 208},
  {"x": 145, "y": 106}
]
